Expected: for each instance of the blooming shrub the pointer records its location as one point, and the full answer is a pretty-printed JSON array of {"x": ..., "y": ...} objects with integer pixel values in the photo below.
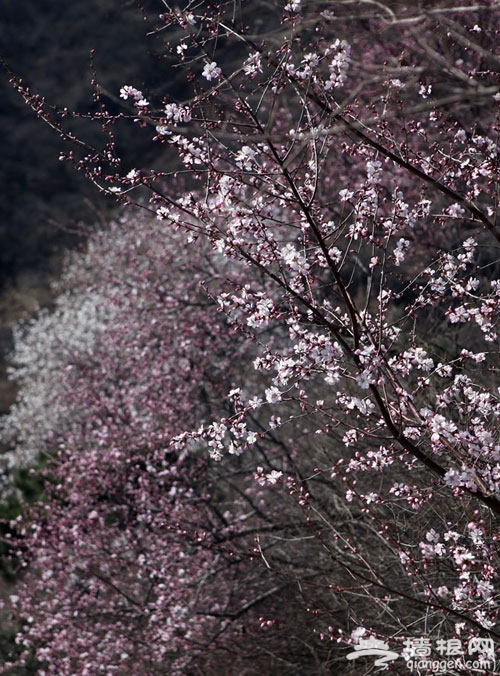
[
  {"x": 344, "y": 168},
  {"x": 126, "y": 552}
]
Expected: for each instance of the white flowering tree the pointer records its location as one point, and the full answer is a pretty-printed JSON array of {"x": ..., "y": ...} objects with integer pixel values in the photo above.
[{"x": 344, "y": 165}]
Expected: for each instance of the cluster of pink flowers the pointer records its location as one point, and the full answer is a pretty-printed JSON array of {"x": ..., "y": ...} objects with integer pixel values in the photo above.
[{"x": 341, "y": 359}]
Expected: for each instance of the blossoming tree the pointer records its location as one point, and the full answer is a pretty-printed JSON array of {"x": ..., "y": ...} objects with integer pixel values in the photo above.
[
  {"x": 128, "y": 550},
  {"x": 344, "y": 165}
]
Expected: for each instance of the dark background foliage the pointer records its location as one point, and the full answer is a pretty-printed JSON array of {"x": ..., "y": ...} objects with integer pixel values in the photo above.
[
  {"x": 48, "y": 44},
  {"x": 57, "y": 47}
]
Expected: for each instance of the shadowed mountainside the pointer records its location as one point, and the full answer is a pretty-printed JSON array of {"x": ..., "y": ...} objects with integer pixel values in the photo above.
[{"x": 43, "y": 201}]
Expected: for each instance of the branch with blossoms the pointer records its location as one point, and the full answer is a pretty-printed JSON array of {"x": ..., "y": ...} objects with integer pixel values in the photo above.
[{"x": 342, "y": 170}]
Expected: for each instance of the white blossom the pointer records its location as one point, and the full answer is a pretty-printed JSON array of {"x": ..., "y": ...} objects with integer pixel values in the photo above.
[
  {"x": 211, "y": 71},
  {"x": 273, "y": 395}
]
